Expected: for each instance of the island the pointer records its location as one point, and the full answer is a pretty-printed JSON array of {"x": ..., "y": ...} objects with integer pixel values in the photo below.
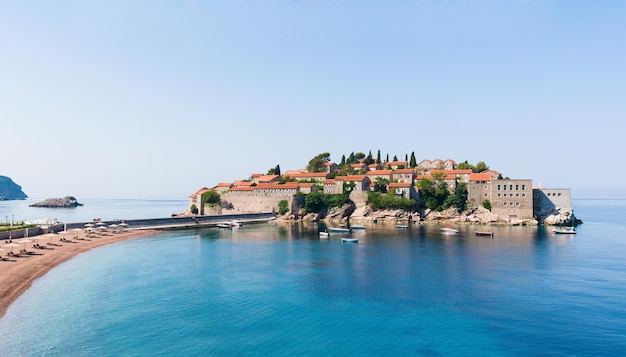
[
  {"x": 65, "y": 202},
  {"x": 365, "y": 188}
]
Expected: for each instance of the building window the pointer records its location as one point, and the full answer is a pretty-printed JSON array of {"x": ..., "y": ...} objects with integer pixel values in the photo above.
[
  {"x": 523, "y": 195},
  {"x": 504, "y": 187},
  {"x": 511, "y": 187},
  {"x": 498, "y": 187},
  {"x": 523, "y": 187},
  {"x": 517, "y": 203},
  {"x": 516, "y": 187},
  {"x": 498, "y": 195},
  {"x": 517, "y": 195},
  {"x": 504, "y": 203},
  {"x": 559, "y": 194}
]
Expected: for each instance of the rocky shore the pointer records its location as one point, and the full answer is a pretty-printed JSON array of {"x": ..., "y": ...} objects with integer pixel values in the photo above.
[
  {"x": 478, "y": 216},
  {"x": 65, "y": 202}
]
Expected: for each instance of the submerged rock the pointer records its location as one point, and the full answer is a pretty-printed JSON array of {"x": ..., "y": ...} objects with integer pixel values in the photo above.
[{"x": 65, "y": 202}]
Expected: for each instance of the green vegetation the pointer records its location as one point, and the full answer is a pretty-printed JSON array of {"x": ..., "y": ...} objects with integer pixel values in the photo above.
[
  {"x": 389, "y": 201},
  {"x": 317, "y": 163},
  {"x": 193, "y": 209},
  {"x": 437, "y": 197},
  {"x": 5, "y": 227},
  {"x": 283, "y": 207},
  {"x": 318, "y": 202},
  {"x": 487, "y": 204},
  {"x": 274, "y": 171},
  {"x": 211, "y": 198},
  {"x": 480, "y": 166}
]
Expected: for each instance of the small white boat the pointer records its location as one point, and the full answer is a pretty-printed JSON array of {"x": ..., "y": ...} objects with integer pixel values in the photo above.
[
  {"x": 224, "y": 225},
  {"x": 350, "y": 240},
  {"x": 323, "y": 235},
  {"x": 357, "y": 226},
  {"x": 565, "y": 230},
  {"x": 340, "y": 230},
  {"x": 402, "y": 226},
  {"x": 449, "y": 230}
]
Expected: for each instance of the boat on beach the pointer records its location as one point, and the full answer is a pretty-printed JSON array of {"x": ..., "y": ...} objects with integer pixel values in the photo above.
[{"x": 484, "y": 233}]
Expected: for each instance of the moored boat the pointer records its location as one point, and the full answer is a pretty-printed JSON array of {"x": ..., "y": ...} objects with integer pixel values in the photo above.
[
  {"x": 564, "y": 230},
  {"x": 340, "y": 230},
  {"x": 448, "y": 230},
  {"x": 402, "y": 226},
  {"x": 350, "y": 240},
  {"x": 483, "y": 233},
  {"x": 324, "y": 235}
]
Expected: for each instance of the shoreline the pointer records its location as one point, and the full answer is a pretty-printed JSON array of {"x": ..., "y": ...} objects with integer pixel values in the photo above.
[{"x": 18, "y": 273}]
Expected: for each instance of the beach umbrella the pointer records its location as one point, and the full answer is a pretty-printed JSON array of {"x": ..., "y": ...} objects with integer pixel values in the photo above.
[
  {"x": 101, "y": 224},
  {"x": 24, "y": 241},
  {"x": 88, "y": 225}
]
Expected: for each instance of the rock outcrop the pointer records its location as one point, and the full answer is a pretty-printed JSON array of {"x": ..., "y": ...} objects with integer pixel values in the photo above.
[
  {"x": 65, "y": 202},
  {"x": 9, "y": 190}
]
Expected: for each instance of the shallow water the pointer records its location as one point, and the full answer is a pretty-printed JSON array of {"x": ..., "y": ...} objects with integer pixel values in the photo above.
[{"x": 278, "y": 290}]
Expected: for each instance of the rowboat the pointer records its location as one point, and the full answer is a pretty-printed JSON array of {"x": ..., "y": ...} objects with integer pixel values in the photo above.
[
  {"x": 483, "y": 233},
  {"x": 565, "y": 230},
  {"x": 350, "y": 240},
  {"x": 448, "y": 230},
  {"x": 340, "y": 230}
]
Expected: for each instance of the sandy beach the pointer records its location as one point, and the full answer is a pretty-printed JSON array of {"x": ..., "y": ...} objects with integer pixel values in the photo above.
[{"x": 18, "y": 273}]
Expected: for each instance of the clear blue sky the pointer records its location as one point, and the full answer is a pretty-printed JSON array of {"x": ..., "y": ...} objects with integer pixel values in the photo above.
[{"x": 161, "y": 98}]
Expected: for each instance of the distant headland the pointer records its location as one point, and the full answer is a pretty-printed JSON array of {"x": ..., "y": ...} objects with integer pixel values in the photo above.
[
  {"x": 9, "y": 190},
  {"x": 372, "y": 188}
]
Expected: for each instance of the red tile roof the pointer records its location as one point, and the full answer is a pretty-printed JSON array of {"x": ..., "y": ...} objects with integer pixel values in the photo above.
[
  {"x": 351, "y": 178},
  {"x": 480, "y": 177},
  {"x": 307, "y": 174},
  {"x": 400, "y": 184},
  {"x": 379, "y": 172}
]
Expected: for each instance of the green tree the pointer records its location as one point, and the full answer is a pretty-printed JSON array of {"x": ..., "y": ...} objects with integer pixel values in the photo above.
[
  {"x": 283, "y": 207},
  {"x": 481, "y": 166},
  {"x": 358, "y": 157},
  {"x": 465, "y": 166},
  {"x": 274, "y": 171},
  {"x": 378, "y": 157},
  {"x": 413, "y": 162},
  {"x": 369, "y": 159},
  {"x": 211, "y": 197},
  {"x": 395, "y": 158},
  {"x": 458, "y": 199},
  {"x": 380, "y": 184},
  {"x": 314, "y": 202},
  {"x": 434, "y": 192},
  {"x": 343, "y": 160},
  {"x": 487, "y": 204},
  {"x": 317, "y": 163},
  {"x": 193, "y": 209}
]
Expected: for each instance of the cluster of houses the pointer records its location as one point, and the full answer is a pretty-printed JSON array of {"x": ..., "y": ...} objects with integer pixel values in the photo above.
[{"x": 510, "y": 199}]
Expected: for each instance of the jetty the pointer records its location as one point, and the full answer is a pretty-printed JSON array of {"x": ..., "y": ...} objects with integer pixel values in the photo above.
[{"x": 169, "y": 223}]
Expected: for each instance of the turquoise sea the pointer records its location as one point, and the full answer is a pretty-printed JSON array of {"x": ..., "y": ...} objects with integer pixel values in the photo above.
[{"x": 277, "y": 289}]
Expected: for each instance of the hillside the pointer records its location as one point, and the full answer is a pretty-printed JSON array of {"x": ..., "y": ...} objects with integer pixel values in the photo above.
[{"x": 9, "y": 190}]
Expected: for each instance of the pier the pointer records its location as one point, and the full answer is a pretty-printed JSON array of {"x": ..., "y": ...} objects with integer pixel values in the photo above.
[{"x": 169, "y": 223}]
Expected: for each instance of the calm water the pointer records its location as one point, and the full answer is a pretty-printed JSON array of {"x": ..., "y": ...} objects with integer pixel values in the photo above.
[
  {"x": 105, "y": 209},
  {"x": 278, "y": 290}
]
